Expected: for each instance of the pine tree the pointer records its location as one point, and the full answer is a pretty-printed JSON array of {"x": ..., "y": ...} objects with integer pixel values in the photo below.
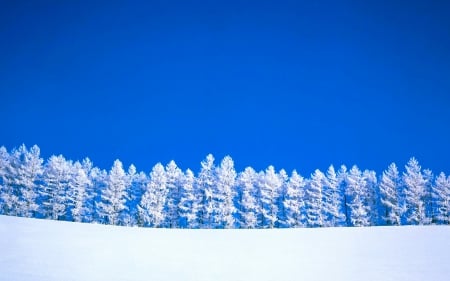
[
  {"x": 54, "y": 194},
  {"x": 248, "y": 206},
  {"x": 224, "y": 194},
  {"x": 205, "y": 185},
  {"x": 357, "y": 191},
  {"x": 442, "y": 199},
  {"x": 293, "y": 201},
  {"x": 188, "y": 205},
  {"x": 173, "y": 184},
  {"x": 342, "y": 176},
  {"x": 333, "y": 204},
  {"x": 114, "y": 196},
  {"x": 137, "y": 182},
  {"x": 151, "y": 207},
  {"x": 270, "y": 186},
  {"x": 99, "y": 180},
  {"x": 415, "y": 193},
  {"x": 430, "y": 205},
  {"x": 80, "y": 183},
  {"x": 389, "y": 195},
  {"x": 372, "y": 200},
  {"x": 313, "y": 200}
]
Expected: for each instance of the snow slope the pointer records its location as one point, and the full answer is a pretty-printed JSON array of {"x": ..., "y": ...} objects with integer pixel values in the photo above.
[{"x": 38, "y": 250}]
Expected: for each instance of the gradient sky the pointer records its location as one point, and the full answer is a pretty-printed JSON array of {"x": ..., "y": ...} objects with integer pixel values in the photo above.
[{"x": 297, "y": 85}]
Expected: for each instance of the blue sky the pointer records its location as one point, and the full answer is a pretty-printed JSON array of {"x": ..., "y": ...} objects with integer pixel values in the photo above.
[{"x": 297, "y": 85}]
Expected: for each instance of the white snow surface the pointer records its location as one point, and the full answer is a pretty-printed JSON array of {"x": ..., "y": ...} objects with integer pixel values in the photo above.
[{"x": 32, "y": 249}]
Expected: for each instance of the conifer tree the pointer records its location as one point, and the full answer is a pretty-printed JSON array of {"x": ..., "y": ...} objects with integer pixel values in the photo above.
[{"x": 389, "y": 195}]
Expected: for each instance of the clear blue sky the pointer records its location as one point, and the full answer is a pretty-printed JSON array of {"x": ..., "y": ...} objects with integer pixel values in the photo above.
[{"x": 297, "y": 85}]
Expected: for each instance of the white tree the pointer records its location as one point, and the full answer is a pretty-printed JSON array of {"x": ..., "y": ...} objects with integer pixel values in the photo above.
[
  {"x": 248, "y": 206},
  {"x": 99, "y": 180},
  {"x": 137, "y": 183},
  {"x": 174, "y": 178},
  {"x": 415, "y": 192},
  {"x": 313, "y": 200},
  {"x": 293, "y": 201},
  {"x": 333, "y": 202},
  {"x": 151, "y": 207},
  {"x": 342, "y": 175},
  {"x": 430, "y": 205},
  {"x": 357, "y": 191},
  {"x": 54, "y": 194},
  {"x": 371, "y": 198},
  {"x": 114, "y": 196},
  {"x": 4, "y": 162},
  {"x": 188, "y": 205},
  {"x": 389, "y": 195},
  {"x": 80, "y": 184},
  {"x": 270, "y": 185},
  {"x": 205, "y": 185},
  {"x": 224, "y": 194},
  {"x": 442, "y": 198}
]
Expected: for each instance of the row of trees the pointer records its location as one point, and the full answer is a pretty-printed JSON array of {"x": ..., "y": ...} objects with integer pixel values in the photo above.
[{"x": 218, "y": 196}]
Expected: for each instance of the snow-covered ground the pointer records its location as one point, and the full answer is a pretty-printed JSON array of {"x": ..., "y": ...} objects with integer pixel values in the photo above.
[{"x": 38, "y": 250}]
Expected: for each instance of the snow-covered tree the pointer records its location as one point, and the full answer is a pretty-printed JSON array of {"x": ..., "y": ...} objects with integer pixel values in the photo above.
[
  {"x": 389, "y": 195},
  {"x": 98, "y": 179},
  {"x": 224, "y": 194},
  {"x": 442, "y": 199},
  {"x": 333, "y": 203},
  {"x": 270, "y": 185},
  {"x": 206, "y": 185},
  {"x": 174, "y": 178},
  {"x": 114, "y": 196},
  {"x": 342, "y": 175},
  {"x": 293, "y": 201},
  {"x": 137, "y": 182},
  {"x": 80, "y": 183},
  {"x": 371, "y": 199},
  {"x": 430, "y": 205},
  {"x": 4, "y": 162},
  {"x": 247, "y": 203},
  {"x": 415, "y": 193},
  {"x": 55, "y": 191},
  {"x": 188, "y": 205},
  {"x": 151, "y": 207},
  {"x": 313, "y": 200},
  {"x": 357, "y": 191}
]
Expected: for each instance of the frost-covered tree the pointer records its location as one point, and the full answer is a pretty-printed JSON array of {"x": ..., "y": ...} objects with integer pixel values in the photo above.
[
  {"x": 430, "y": 205},
  {"x": 114, "y": 196},
  {"x": 174, "y": 178},
  {"x": 270, "y": 185},
  {"x": 357, "y": 191},
  {"x": 333, "y": 202},
  {"x": 98, "y": 179},
  {"x": 206, "y": 185},
  {"x": 137, "y": 182},
  {"x": 55, "y": 191},
  {"x": 247, "y": 203},
  {"x": 415, "y": 193},
  {"x": 4, "y": 162},
  {"x": 224, "y": 194},
  {"x": 293, "y": 201},
  {"x": 342, "y": 175},
  {"x": 442, "y": 199},
  {"x": 313, "y": 200},
  {"x": 188, "y": 205},
  {"x": 151, "y": 207},
  {"x": 371, "y": 199},
  {"x": 389, "y": 195},
  {"x": 80, "y": 183}
]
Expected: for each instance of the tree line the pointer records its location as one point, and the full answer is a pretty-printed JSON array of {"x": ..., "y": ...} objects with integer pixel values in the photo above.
[{"x": 218, "y": 196}]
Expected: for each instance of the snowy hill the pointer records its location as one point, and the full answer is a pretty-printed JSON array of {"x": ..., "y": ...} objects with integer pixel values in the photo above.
[{"x": 38, "y": 250}]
